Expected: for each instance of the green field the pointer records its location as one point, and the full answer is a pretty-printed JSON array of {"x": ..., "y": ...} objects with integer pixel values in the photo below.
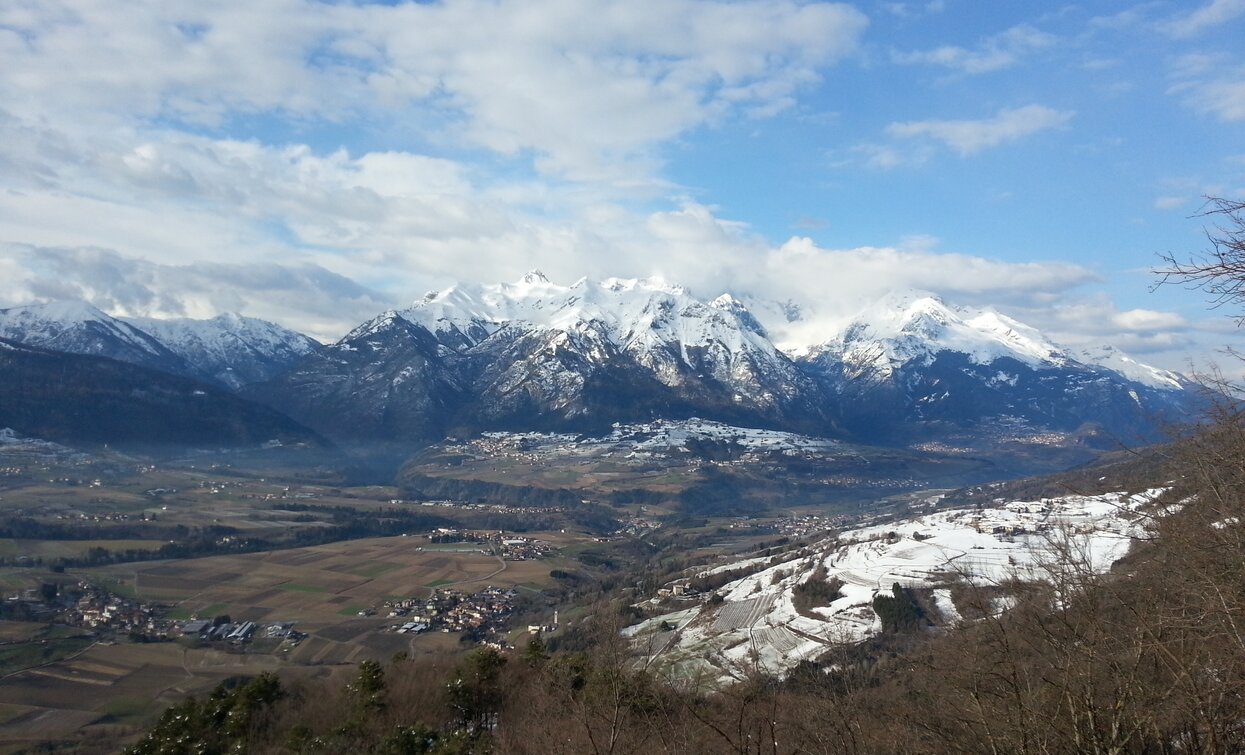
[
  {"x": 296, "y": 587},
  {"x": 52, "y": 549},
  {"x": 26, "y": 655}
]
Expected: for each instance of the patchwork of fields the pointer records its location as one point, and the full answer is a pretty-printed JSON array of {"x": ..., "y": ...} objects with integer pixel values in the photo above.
[{"x": 109, "y": 687}]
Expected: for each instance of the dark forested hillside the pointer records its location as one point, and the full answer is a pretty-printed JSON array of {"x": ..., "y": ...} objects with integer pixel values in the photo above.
[{"x": 79, "y": 399}]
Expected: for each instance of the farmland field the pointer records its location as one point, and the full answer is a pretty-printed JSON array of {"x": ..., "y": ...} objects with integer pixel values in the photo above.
[
  {"x": 313, "y": 586},
  {"x": 72, "y": 524},
  {"x": 73, "y": 688},
  {"x": 53, "y": 549},
  {"x": 116, "y": 689}
]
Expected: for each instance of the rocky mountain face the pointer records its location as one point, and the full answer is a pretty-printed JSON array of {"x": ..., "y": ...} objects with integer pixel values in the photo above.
[
  {"x": 387, "y": 380},
  {"x": 534, "y": 354},
  {"x": 227, "y": 350}
]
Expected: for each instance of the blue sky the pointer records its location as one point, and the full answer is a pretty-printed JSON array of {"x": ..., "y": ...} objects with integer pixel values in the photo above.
[{"x": 314, "y": 163}]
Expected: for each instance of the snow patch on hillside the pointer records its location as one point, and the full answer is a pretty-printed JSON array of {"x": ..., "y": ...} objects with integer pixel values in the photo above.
[
  {"x": 1117, "y": 361},
  {"x": 758, "y": 626}
]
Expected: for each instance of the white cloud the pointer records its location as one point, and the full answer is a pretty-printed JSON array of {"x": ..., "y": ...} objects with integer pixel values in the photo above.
[
  {"x": 886, "y": 156},
  {"x": 969, "y": 137},
  {"x": 1170, "y": 203},
  {"x": 908, "y": 11},
  {"x": 1216, "y": 13},
  {"x": 589, "y": 88},
  {"x": 1148, "y": 320},
  {"x": 1223, "y": 98},
  {"x": 302, "y": 296},
  {"x": 994, "y": 53},
  {"x": 1080, "y": 320},
  {"x": 699, "y": 249},
  {"x": 830, "y": 285},
  {"x": 486, "y": 137},
  {"x": 1210, "y": 83}
]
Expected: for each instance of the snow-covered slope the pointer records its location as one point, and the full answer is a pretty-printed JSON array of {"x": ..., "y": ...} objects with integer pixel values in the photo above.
[
  {"x": 1117, "y": 361},
  {"x": 757, "y": 622},
  {"x": 913, "y": 326},
  {"x": 912, "y": 364},
  {"x": 79, "y": 328},
  {"x": 230, "y": 349}
]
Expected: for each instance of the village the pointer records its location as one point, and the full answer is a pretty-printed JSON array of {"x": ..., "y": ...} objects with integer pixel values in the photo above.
[
  {"x": 481, "y": 616},
  {"x": 508, "y": 547},
  {"x": 88, "y": 606},
  {"x": 792, "y": 526}
]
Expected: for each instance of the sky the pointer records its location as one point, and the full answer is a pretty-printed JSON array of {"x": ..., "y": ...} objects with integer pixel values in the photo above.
[{"x": 315, "y": 163}]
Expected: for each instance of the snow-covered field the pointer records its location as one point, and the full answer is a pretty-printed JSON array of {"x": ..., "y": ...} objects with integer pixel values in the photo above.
[{"x": 757, "y": 625}]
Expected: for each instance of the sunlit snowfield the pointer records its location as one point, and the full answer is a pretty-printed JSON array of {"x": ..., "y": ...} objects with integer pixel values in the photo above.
[{"x": 758, "y": 627}]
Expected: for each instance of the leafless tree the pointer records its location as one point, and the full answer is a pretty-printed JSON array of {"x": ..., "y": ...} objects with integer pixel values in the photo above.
[{"x": 1219, "y": 270}]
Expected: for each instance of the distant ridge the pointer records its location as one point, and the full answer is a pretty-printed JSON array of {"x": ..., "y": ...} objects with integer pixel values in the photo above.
[
  {"x": 230, "y": 350},
  {"x": 77, "y": 399},
  {"x": 534, "y": 354}
]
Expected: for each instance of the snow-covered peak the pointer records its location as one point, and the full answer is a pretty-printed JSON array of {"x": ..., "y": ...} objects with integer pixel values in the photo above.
[
  {"x": 1117, "y": 361},
  {"x": 65, "y": 311},
  {"x": 77, "y": 327},
  {"x": 652, "y": 283},
  {"x": 533, "y": 277},
  {"x": 662, "y": 326},
  {"x": 908, "y": 326},
  {"x": 61, "y": 312},
  {"x": 229, "y": 348},
  {"x": 225, "y": 332},
  {"x": 377, "y": 324},
  {"x": 621, "y": 309}
]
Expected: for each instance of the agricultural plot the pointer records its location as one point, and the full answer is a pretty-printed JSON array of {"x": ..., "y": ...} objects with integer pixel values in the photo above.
[
  {"x": 741, "y": 614},
  {"x": 321, "y": 585},
  {"x": 781, "y": 639},
  {"x": 110, "y": 686},
  {"x": 54, "y": 549}
]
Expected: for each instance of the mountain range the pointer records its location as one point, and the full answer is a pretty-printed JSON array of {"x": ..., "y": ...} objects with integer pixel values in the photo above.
[
  {"x": 536, "y": 355},
  {"x": 227, "y": 350}
]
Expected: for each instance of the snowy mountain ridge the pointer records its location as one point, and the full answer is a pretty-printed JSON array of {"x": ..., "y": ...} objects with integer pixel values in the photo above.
[
  {"x": 630, "y": 313},
  {"x": 80, "y": 328},
  {"x": 639, "y": 315},
  {"x": 693, "y": 346},
  {"x": 536, "y": 355},
  {"x": 913, "y": 327},
  {"x": 1117, "y": 361},
  {"x": 229, "y": 349}
]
